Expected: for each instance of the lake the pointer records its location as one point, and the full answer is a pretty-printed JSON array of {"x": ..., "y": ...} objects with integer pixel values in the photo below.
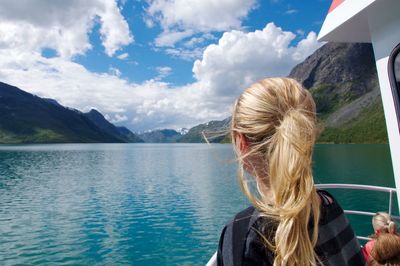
[{"x": 146, "y": 204}]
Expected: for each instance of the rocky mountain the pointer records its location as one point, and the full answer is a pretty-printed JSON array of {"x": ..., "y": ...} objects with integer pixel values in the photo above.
[
  {"x": 343, "y": 81},
  {"x": 161, "y": 136},
  {"x": 26, "y": 118},
  {"x": 337, "y": 74}
]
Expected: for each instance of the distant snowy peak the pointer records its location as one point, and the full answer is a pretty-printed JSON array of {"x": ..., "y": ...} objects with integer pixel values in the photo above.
[{"x": 182, "y": 131}]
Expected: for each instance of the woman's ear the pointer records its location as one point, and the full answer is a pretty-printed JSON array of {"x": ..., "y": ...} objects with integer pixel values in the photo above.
[{"x": 242, "y": 143}]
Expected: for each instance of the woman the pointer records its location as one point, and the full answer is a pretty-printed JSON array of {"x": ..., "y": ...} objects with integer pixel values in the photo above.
[{"x": 274, "y": 130}]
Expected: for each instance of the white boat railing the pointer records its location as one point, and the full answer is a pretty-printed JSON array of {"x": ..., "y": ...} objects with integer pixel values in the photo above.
[{"x": 389, "y": 190}]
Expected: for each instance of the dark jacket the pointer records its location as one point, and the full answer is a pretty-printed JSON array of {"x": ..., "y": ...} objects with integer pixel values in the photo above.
[{"x": 240, "y": 244}]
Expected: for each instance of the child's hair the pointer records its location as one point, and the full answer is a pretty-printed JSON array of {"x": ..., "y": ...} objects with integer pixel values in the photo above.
[
  {"x": 383, "y": 223},
  {"x": 277, "y": 117},
  {"x": 386, "y": 250}
]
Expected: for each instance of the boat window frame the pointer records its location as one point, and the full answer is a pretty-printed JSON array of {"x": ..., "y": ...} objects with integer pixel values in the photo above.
[{"x": 393, "y": 82}]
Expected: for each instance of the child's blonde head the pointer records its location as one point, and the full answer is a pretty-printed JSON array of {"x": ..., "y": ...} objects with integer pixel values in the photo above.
[{"x": 383, "y": 223}]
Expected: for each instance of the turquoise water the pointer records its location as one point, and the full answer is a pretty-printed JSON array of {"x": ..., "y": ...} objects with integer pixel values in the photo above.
[{"x": 145, "y": 204}]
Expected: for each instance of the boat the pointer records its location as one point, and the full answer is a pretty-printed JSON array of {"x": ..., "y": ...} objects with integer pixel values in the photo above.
[{"x": 376, "y": 22}]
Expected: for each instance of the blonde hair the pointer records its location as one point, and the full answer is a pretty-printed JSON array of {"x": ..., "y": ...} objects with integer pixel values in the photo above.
[
  {"x": 383, "y": 223},
  {"x": 386, "y": 250},
  {"x": 277, "y": 118}
]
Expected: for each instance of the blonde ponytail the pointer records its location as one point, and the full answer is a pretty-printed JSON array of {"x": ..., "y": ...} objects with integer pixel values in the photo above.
[
  {"x": 392, "y": 227},
  {"x": 277, "y": 117},
  {"x": 292, "y": 182},
  {"x": 383, "y": 223}
]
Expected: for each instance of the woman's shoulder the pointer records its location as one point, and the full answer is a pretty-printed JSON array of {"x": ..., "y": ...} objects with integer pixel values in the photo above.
[
  {"x": 241, "y": 221},
  {"x": 337, "y": 243},
  {"x": 233, "y": 236},
  {"x": 330, "y": 208},
  {"x": 326, "y": 197}
]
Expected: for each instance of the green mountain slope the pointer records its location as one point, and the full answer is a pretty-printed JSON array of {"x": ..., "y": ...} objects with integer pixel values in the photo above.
[
  {"x": 25, "y": 118},
  {"x": 368, "y": 127}
]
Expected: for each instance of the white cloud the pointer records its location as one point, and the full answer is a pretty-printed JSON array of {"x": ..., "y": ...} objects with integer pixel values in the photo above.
[
  {"x": 61, "y": 25},
  {"x": 291, "y": 11},
  {"x": 169, "y": 38},
  {"x": 114, "y": 71},
  {"x": 195, "y": 41},
  {"x": 177, "y": 16},
  {"x": 306, "y": 47},
  {"x": 224, "y": 70},
  {"x": 241, "y": 58},
  {"x": 114, "y": 28},
  {"x": 185, "y": 54},
  {"x": 117, "y": 118},
  {"x": 123, "y": 56},
  {"x": 163, "y": 72}
]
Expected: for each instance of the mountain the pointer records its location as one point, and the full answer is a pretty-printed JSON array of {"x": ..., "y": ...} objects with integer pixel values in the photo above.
[
  {"x": 343, "y": 81},
  {"x": 128, "y": 135},
  {"x": 161, "y": 136},
  {"x": 26, "y": 118},
  {"x": 337, "y": 74},
  {"x": 122, "y": 133},
  {"x": 182, "y": 130},
  {"x": 213, "y": 131}
]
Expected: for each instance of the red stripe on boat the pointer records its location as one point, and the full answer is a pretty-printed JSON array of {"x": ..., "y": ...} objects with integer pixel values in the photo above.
[{"x": 335, "y": 4}]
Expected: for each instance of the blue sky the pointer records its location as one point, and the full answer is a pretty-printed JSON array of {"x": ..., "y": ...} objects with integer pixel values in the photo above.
[
  {"x": 292, "y": 15},
  {"x": 157, "y": 63}
]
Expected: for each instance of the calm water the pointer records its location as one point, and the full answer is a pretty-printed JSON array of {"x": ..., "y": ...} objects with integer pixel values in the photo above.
[{"x": 145, "y": 204}]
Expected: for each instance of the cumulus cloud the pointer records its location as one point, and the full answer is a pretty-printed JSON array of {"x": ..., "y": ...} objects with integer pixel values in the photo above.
[
  {"x": 224, "y": 70},
  {"x": 241, "y": 58},
  {"x": 182, "y": 18},
  {"x": 61, "y": 25},
  {"x": 114, "y": 28}
]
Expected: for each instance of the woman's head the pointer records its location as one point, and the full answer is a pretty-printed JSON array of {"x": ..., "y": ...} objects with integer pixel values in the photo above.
[
  {"x": 275, "y": 118},
  {"x": 383, "y": 223},
  {"x": 274, "y": 130}
]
